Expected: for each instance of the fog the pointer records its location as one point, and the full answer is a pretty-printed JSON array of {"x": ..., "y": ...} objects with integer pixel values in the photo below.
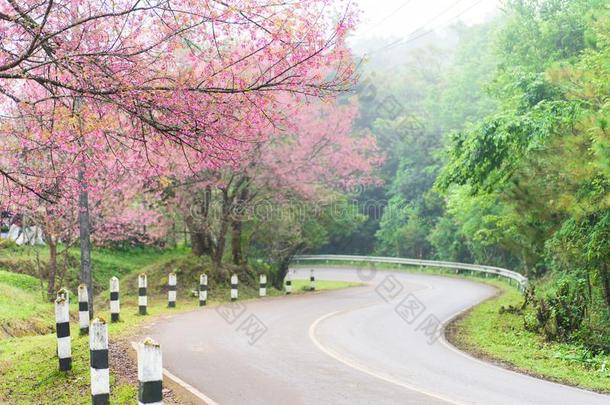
[{"x": 405, "y": 21}]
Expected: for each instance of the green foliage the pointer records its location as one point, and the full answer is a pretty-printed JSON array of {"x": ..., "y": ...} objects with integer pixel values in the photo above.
[
  {"x": 538, "y": 167},
  {"x": 561, "y": 312}
]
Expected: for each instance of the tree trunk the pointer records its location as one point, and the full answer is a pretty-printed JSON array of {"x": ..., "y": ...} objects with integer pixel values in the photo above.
[
  {"x": 52, "y": 268},
  {"x": 198, "y": 244},
  {"x": 221, "y": 242},
  {"x": 236, "y": 227},
  {"x": 237, "y": 223},
  {"x": 605, "y": 280},
  {"x": 284, "y": 265},
  {"x": 200, "y": 238},
  {"x": 85, "y": 243},
  {"x": 201, "y": 241}
]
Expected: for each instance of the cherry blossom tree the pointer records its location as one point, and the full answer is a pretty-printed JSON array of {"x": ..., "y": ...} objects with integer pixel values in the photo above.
[
  {"x": 199, "y": 76},
  {"x": 315, "y": 154}
]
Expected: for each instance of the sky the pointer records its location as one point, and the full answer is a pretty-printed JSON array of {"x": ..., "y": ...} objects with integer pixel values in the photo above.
[{"x": 399, "y": 18}]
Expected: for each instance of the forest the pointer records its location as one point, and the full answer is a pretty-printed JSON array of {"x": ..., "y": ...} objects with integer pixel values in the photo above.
[{"x": 497, "y": 152}]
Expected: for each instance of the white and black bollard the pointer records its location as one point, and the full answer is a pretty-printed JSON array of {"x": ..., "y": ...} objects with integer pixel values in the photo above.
[
  {"x": 288, "y": 283},
  {"x": 203, "y": 289},
  {"x": 83, "y": 309},
  {"x": 234, "y": 282},
  {"x": 142, "y": 299},
  {"x": 262, "y": 291},
  {"x": 171, "y": 293},
  {"x": 62, "y": 328},
  {"x": 115, "y": 306},
  {"x": 100, "y": 372},
  {"x": 312, "y": 281},
  {"x": 150, "y": 373}
]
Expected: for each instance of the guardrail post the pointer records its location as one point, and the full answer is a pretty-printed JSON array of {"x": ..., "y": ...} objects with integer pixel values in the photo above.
[
  {"x": 288, "y": 283},
  {"x": 150, "y": 373},
  {"x": 142, "y": 298},
  {"x": 203, "y": 289},
  {"x": 312, "y": 281},
  {"x": 83, "y": 309},
  {"x": 171, "y": 293},
  {"x": 100, "y": 372},
  {"x": 115, "y": 306},
  {"x": 262, "y": 290},
  {"x": 234, "y": 282},
  {"x": 62, "y": 329}
]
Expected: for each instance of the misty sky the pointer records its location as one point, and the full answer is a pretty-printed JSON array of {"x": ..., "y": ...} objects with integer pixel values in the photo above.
[{"x": 399, "y": 18}]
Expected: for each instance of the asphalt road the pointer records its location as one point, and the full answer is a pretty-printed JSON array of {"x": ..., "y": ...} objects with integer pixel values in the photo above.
[{"x": 375, "y": 344}]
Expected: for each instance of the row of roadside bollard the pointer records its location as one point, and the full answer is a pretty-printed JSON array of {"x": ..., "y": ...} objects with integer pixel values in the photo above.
[
  {"x": 115, "y": 309},
  {"x": 150, "y": 369},
  {"x": 150, "y": 366}
]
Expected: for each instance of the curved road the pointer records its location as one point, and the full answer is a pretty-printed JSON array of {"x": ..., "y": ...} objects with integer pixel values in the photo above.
[{"x": 375, "y": 344}]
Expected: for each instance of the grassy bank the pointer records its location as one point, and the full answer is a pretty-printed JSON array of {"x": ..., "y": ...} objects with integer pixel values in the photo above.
[
  {"x": 22, "y": 310},
  {"x": 32, "y": 261},
  {"x": 501, "y": 337}
]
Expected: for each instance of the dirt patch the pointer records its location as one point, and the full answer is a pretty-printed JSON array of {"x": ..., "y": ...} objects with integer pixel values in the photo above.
[
  {"x": 123, "y": 362},
  {"x": 25, "y": 327}
]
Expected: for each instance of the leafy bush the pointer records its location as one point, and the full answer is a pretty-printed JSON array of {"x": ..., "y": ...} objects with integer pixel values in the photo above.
[{"x": 560, "y": 313}]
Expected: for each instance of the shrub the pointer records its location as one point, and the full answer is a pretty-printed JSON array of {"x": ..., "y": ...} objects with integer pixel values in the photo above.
[{"x": 560, "y": 313}]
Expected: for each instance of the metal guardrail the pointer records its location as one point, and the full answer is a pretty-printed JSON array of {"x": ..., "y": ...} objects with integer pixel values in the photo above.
[{"x": 498, "y": 271}]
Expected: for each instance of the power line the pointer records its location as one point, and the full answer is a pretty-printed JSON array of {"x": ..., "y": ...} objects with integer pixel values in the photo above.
[
  {"x": 412, "y": 38},
  {"x": 403, "y": 5}
]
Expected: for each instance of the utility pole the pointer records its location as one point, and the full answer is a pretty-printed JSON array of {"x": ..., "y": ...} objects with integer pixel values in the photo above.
[{"x": 84, "y": 224}]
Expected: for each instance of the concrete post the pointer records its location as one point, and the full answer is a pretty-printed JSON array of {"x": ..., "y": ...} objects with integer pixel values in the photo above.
[
  {"x": 83, "y": 309},
  {"x": 115, "y": 306},
  {"x": 234, "y": 282},
  {"x": 171, "y": 293},
  {"x": 62, "y": 328},
  {"x": 100, "y": 372},
  {"x": 203, "y": 290},
  {"x": 312, "y": 281},
  {"x": 288, "y": 283},
  {"x": 150, "y": 373},
  {"x": 142, "y": 298},
  {"x": 262, "y": 290}
]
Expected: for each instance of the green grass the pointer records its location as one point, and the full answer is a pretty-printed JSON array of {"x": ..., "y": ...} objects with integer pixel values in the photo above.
[
  {"x": 321, "y": 285},
  {"x": 22, "y": 309},
  {"x": 485, "y": 332}
]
